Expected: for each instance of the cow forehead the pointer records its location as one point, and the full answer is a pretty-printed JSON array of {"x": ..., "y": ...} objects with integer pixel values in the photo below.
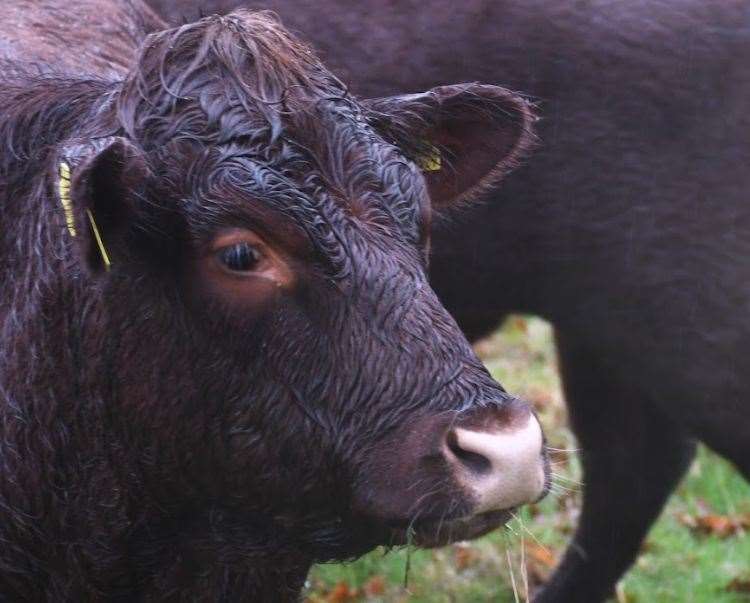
[
  {"x": 242, "y": 82},
  {"x": 267, "y": 120},
  {"x": 325, "y": 169}
]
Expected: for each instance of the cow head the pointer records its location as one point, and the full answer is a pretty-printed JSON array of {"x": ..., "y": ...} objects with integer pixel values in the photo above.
[{"x": 272, "y": 351}]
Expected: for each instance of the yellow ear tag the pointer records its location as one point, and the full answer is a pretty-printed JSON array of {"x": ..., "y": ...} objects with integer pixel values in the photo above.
[
  {"x": 431, "y": 161},
  {"x": 63, "y": 187},
  {"x": 99, "y": 242}
]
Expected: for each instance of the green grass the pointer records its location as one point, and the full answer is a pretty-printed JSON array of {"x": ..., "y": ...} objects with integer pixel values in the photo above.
[{"x": 677, "y": 563}]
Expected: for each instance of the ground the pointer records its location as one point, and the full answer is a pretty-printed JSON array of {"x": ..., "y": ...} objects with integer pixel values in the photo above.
[{"x": 698, "y": 552}]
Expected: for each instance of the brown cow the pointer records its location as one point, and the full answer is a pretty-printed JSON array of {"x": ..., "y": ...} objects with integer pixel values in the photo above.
[
  {"x": 221, "y": 360},
  {"x": 629, "y": 228}
]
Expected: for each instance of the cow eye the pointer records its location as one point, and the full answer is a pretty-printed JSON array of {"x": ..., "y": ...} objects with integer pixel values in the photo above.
[{"x": 241, "y": 257}]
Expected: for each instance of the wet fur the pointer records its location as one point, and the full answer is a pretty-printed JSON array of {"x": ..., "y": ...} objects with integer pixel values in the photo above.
[
  {"x": 629, "y": 229},
  {"x": 161, "y": 444}
]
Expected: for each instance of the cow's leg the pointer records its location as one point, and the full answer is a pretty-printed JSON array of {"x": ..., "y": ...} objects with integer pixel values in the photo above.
[{"x": 632, "y": 458}]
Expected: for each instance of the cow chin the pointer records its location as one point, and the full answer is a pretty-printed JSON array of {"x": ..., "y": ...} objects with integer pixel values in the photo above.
[
  {"x": 355, "y": 537},
  {"x": 431, "y": 534}
]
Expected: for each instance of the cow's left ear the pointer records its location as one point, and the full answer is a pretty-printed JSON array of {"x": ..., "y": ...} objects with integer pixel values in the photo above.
[
  {"x": 464, "y": 137},
  {"x": 97, "y": 184}
]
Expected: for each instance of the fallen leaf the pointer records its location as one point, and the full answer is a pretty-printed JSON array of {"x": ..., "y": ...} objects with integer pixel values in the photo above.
[
  {"x": 540, "y": 554},
  {"x": 464, "y": 556},
  {"x": 711, "y": 524},
  {"x": 520, "y": 324},
  {"x": 374, "y": 587},
  {"x": 539, "y": 564},
  {"x": 738, "y": 585},
  {"x": 648, "y": 546},
  {"x": 342, "y": 593}
]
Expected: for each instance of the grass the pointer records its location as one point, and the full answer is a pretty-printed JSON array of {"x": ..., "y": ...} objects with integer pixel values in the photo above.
[{"x": 698, "y": 552}]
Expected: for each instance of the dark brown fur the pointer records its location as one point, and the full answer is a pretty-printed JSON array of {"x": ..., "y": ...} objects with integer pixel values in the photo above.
[
  {"x": 629, "y": 229},
  {"x": 160, "y": 439}
]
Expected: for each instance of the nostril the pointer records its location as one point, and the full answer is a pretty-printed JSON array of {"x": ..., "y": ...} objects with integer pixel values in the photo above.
[
  {"x": 504, "y": 467},
  {"x": 473, "y": 461}
]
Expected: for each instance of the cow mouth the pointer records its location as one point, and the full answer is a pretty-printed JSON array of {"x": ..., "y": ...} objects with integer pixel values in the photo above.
[{"x": 436, "y": 533}]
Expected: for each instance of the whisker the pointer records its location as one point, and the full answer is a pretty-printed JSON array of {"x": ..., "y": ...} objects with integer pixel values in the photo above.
[
  {"x": 566, "y": 479},
  {"x": 559, "y": 492},
  {"x": 563, "y": 449},
  {"x": 563, "y": 488}
]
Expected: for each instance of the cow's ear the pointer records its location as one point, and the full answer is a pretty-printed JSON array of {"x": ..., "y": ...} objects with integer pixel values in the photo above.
[
  {"x": 98, "y": 184},
  {"x": 464, "y": 137}
]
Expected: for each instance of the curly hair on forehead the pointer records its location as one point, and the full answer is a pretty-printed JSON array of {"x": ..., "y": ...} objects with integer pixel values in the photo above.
[{"x": 221, "y": 78}]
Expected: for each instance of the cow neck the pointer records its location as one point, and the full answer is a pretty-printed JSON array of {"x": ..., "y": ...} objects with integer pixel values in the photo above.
[{"x": 220, "y": 555}]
